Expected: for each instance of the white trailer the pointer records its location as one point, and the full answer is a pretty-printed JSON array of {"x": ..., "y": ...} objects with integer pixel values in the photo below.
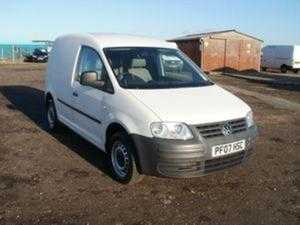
[{"x": 283, "y": 57}]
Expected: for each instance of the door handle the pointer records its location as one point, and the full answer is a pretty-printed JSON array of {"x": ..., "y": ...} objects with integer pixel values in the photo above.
[{"x": 75, "y": 94}]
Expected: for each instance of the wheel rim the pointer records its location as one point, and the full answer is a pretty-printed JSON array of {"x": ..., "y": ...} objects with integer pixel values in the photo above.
[
  {"x": 120, "y": 159},
  {"x": 51, "y": 116}
]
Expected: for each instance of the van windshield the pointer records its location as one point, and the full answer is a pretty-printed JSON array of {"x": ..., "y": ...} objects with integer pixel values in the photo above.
[{"x": 153, "y": 68}]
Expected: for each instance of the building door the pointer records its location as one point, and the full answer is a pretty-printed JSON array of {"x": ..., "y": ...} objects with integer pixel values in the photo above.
[
  {"x": 213, "y": 54},
  {"x": 232, "y": 54}
]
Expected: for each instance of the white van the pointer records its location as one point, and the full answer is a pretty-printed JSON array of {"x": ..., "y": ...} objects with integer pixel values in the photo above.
[
  {"x": 283, "y": 57},
  {"x": 121, "y": 94}
]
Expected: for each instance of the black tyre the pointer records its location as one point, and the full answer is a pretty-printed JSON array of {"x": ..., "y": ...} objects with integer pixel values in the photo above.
[
  {"x": 283, "y": 69},
  {"x": 264, "y": 68},
  {"x": 296, "y": 71},
  {"x": 51, "y": 116},
  {"x": 122, "y": 160}
]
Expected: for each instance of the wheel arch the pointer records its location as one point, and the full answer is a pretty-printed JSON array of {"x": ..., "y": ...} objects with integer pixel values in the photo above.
[
  {"x": 284, "y": 68},
  {"x": 115, "y": 127},
  {"x": 48, "y": 96}
]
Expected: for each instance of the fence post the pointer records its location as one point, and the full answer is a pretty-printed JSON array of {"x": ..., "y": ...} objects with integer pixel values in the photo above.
[
  {"x": 2, "y": 54},
  {"x": 13, "y": 53}
]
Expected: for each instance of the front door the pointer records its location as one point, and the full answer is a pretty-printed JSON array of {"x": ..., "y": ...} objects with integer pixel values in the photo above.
[{"x": 88, "y": 98}]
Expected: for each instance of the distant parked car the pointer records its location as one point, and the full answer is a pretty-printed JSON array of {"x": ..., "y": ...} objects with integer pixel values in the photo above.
[
  {"x": 172, "y": 63},
  {"x": 283, "y": 57},
  {"x": 38, "y": 55}
]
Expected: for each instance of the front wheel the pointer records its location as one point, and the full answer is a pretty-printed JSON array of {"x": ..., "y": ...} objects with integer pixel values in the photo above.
[
  {"x": 122, "y": 160},
  {"x": 296, "y": 71}
]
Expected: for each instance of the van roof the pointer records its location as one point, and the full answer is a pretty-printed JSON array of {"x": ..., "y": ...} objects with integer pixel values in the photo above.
[
  {"x": 283, "y": 46},
  {"x": 105, "y": 40}
]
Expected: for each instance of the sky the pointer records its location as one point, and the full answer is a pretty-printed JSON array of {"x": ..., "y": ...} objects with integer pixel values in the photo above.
[{"x": 274, "y": 21}]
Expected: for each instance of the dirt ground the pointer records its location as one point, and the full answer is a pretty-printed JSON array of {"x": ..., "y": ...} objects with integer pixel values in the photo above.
[
  {"x": 62, "y": 179},
  {"x": 291, "y": 93}
]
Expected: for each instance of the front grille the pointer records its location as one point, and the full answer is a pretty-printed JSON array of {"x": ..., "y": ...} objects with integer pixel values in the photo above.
[
  {"x": 224, "y": 162},
  {"x": 215, "y": 129}
]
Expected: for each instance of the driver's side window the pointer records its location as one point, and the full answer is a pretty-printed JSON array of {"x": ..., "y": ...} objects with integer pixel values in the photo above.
[{"x": 90, "y": 61}]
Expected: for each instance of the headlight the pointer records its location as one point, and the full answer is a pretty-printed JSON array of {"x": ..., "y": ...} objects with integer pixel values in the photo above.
[
  {"x": 171, "y": 130},
  {"x": 249, "y": 119}
]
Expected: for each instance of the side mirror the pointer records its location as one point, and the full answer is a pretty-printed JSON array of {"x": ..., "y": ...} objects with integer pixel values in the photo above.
[
  {"x": 87, "y": 78},
  {"x": 90, "y": 78}
]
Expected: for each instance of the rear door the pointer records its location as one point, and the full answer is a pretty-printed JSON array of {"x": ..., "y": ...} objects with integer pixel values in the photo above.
[{"x": 88, "y": 101}]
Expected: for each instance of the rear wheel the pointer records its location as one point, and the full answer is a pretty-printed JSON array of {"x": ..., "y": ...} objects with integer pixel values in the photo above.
[
  {"x": 122, "y": 160},
  {"x": 296, "y": 71},
  {"x": 264, "y": 68},
  {"x": 52, "y": 121},
  {"x": 283, "y": 69}
]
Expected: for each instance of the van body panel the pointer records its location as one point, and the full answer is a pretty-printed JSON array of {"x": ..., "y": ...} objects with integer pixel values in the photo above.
[
  {"x": 122, "y": 108},
  {"x": 275, "y": 56},
  {"x": 91, "y": 111},
  {"x": 296, "y": 57},
  {"x": 201, "y": 104}
]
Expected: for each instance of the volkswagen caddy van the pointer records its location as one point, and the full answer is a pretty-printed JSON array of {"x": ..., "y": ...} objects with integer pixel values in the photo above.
[{"x": 147, "y": 105}]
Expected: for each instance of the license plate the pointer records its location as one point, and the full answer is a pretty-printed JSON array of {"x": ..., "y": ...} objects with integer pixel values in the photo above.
[{"x": 229, "y": 148}]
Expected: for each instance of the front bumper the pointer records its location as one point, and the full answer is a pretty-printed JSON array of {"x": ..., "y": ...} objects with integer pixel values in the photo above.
[{"x": 191, "y": 158}]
